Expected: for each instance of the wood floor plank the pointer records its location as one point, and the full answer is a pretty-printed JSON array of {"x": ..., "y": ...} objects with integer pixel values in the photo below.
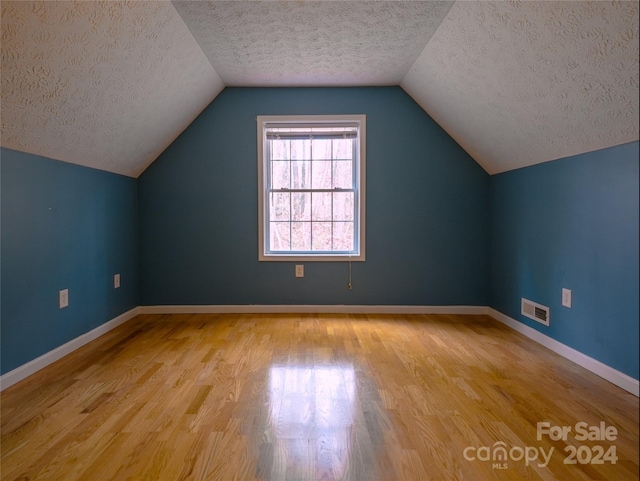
[{"x": 297, "y": 397}]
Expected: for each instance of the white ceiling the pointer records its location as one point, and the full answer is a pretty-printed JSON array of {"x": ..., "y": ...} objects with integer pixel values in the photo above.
[
  {"x": 110, "y": 84},
  {"x": 312, "y": 43},
  {"x": 519, "y": 83}
]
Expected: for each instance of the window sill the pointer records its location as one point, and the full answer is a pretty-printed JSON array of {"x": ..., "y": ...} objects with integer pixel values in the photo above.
[{"x": 311, "y": 258}]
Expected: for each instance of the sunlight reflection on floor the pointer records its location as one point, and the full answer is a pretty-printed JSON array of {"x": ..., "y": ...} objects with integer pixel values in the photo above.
[{"x": 311, "y": 410}]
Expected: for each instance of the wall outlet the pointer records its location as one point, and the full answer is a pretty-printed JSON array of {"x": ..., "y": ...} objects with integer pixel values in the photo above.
[
  {"x": 63, "y": 298},
  {"x": 116, "y": 281},
  {"x": 300, "y": 270},
  {"x": 566, "y": 297}
]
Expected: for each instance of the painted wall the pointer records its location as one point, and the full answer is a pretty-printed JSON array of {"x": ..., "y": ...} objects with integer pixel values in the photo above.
[
  {"x": 427, "y": 217},
  {"x": 63, "y": 227},
  {"x": 440, "y": 231},
  {"x": 572, "y": 223}
]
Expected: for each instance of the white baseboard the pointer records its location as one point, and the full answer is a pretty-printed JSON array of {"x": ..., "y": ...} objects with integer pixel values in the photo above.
[
  {"x": 612, "y": 375},
  {"x": 313, "y": 309},
  {"x": 18, "y": 374},
  {"x": 22, "y": 372}
]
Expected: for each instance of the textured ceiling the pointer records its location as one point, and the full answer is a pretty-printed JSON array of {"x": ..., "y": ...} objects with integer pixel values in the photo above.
[
  {"x": 103, "y": 84},
  {"x": 109, "y": 84},
  {"x": 519, "y": 83},
  {"x": 312, "y": 43}
]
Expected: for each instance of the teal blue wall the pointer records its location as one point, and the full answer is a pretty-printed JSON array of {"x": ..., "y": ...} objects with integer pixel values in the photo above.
[
  {"x": 572, "y": 223},
  {"x": 427, "y": 219},
  {"x": 63, "y": 227},
  {"x": 440, "y": 231}
]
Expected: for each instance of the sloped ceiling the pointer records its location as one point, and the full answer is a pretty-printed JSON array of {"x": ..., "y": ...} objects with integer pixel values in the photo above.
[
  {"x": 110, "y": 84},
  {"x": 106, "y": 84},
  {"x": 519, "y": 83}
]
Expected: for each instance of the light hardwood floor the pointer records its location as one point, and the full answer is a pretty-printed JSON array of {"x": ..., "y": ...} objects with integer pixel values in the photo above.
[{"x": 313, "y": 397}]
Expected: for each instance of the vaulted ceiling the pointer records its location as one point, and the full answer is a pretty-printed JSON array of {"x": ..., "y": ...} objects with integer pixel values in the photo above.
[{"x": 110, "y": 84}]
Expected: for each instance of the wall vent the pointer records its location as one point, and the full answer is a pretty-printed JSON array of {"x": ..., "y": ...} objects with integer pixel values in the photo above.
[{"x": 535, "y": 311}]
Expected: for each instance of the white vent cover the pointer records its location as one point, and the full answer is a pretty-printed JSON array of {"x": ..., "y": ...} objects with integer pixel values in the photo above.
[{"x": 535, "y": 311}]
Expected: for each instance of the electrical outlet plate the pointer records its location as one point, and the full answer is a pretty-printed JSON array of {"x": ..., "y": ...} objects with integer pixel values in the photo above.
[
  {"x": 300, "y": 270},
  {"x": 63, "y": 298},
  {"x": 566, "y": 297},
  {"x": 116, "y": 281}
]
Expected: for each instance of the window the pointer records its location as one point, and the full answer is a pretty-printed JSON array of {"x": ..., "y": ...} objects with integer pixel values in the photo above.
[{"x": 311, "y": 187}]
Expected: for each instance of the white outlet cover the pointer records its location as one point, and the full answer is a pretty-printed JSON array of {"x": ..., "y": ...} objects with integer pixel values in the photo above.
[
  {"x": 300, "y": 270},
  {"x": 566, "y": 297},
  {"x": 63, "y": 298},
  {"x": 116, "y": 281}
]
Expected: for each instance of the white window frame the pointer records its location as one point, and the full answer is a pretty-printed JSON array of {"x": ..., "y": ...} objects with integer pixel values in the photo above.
[{"x": 265, "y": 121}]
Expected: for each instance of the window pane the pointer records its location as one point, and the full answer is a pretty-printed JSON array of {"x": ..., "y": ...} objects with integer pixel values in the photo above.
[
  {"x": 343, "y": 174},
  {"x": 279, "y": 236},
  {"x": 321, "y": 149},
  {"x": 280, "y": 149},
  {"x": 301, "y": 236},
  {"x": 310, "y": 186},
  {"x": 342, "y": 149},
  {"x": 321, "y": 175},
  {"x": 279, "y": 208},
  {"x": 343, "y": 205},
  {"x": 280, "y": 174},
  {"x": 321, "y": 240},
  {"x": 301, "y": 206},
  {"x": 301, "y": 149},
  {"x": 321, "y": 206},
  {"x": 300, "y": 174},
  {"x": 343, "y": 239}
]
